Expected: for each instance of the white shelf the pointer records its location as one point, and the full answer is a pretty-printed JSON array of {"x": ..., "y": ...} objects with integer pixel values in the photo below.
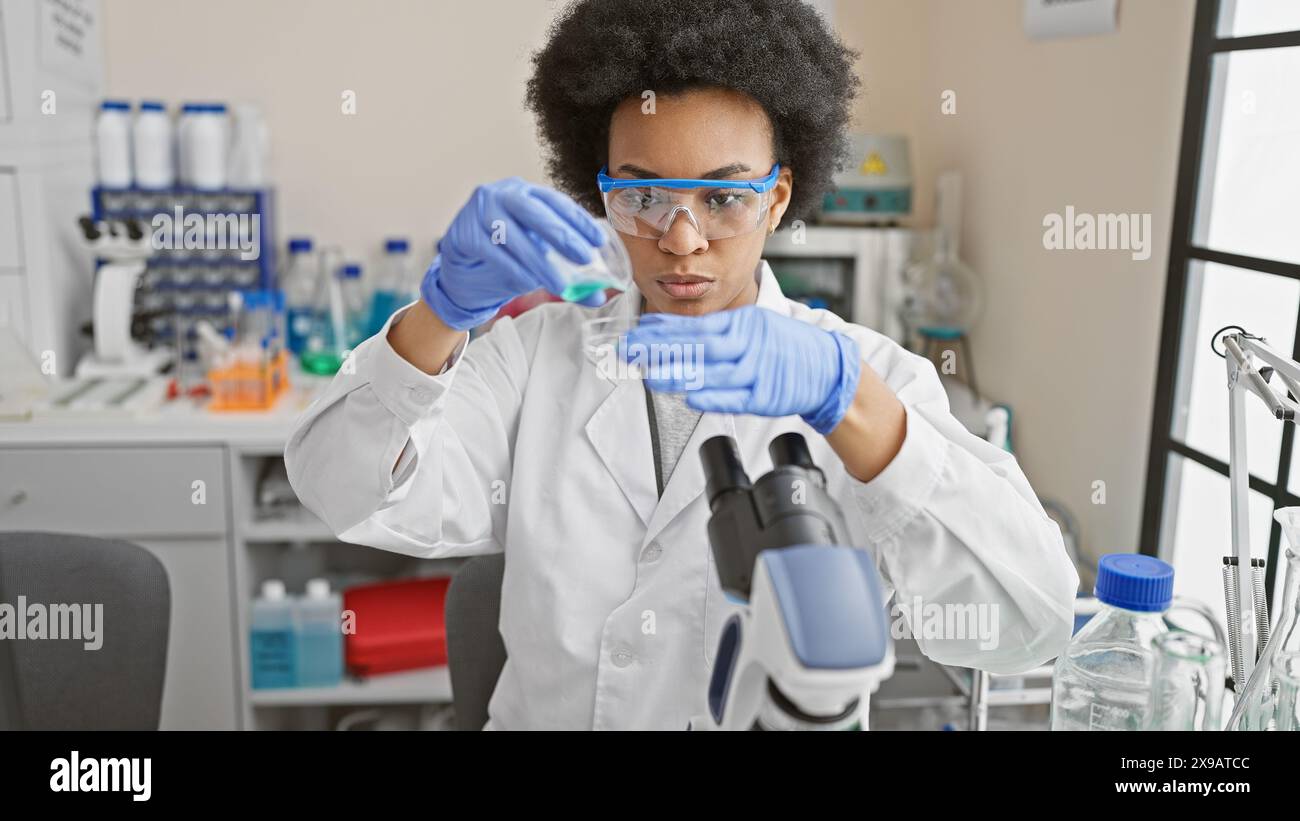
[
  {"x": 427, "y": 686},
  {"x": 301, "y": 526}
]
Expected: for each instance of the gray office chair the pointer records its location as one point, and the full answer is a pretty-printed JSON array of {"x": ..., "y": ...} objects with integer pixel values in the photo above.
[
  {"x": 475, "y": 651},
  {"x": 49, "y": 684}
]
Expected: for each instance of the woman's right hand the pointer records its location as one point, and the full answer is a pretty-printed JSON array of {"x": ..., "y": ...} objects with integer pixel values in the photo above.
[{"x": 495, "y": 250}]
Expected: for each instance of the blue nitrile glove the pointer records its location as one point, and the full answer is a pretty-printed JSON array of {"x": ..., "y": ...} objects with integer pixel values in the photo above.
[
  {"x": 750, "y": 360},
  {"x": 495, "y": 250}
]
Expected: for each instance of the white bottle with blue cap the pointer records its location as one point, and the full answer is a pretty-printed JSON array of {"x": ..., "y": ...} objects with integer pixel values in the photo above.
[
  {"x": 113, "y": 144},
  {"x": 151, "y": 145},
  {"x": 1103, "y": 678}
]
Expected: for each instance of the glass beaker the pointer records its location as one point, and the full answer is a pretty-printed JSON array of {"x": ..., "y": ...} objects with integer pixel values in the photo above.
[
  {"x": 1187, "y": 690},
  {"x": 602, "y": 340},
  {"x": 610, "y": 267},
  {"x": 1257, "y": 703},
  {"x": 1286, "y": 670}
]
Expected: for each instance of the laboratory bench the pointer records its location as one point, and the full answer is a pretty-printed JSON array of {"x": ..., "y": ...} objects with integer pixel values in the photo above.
[{"x": 185, "y": 483}]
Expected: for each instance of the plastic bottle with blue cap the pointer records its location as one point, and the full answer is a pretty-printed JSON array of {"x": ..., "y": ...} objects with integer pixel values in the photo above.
[
  {"x": 395, "y": 284},
  {"x": 299, "y": 285},
  {"x": 151, "y": 147},
  {"x": 113, "y": 144},
  {"x": 356, "y": 303},
  {"x": 1103, "y": 679}
]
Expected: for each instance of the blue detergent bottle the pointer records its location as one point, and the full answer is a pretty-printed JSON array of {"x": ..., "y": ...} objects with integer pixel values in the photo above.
[
  {"x": 320, "y": 636},
  {"x": 272, "y": 643}
]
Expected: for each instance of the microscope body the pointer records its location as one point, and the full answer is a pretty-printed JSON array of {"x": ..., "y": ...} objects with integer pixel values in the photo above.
[{"x": 813, "y": 636}]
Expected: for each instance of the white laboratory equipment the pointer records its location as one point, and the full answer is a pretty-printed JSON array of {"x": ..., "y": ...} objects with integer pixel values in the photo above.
[
  {"x": 1251, "y": 366},
  {"x": 113, "y": 144}
]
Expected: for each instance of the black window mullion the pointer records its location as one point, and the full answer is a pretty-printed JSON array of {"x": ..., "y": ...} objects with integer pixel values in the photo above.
[{"x": 1195, "y": 108}]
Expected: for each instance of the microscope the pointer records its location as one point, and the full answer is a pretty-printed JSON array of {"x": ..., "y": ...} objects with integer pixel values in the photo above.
[{"x": 812, "y": 638}]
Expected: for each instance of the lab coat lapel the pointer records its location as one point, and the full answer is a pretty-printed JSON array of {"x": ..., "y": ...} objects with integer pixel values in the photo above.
[
  {"x": 687, "y": 482},
  {"x": 619, "y": 429}
]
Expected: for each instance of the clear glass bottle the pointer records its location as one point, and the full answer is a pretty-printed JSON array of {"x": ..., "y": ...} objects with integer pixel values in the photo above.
[
  {"x": 1103, "y": 679},
  {"x": 1257, "y": 704}
]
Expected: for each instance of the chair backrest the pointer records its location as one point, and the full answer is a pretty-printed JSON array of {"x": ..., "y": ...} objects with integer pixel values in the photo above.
[
  {"x": 475, "y": 652},
  {"x": 115, "y": 598}
]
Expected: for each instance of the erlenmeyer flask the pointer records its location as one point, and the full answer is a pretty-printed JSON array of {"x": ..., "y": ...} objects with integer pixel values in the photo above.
[{"x": 1257, "y": 704}]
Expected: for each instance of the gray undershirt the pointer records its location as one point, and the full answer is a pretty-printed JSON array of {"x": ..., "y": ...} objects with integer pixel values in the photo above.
[{"x": 671, "y": 424}]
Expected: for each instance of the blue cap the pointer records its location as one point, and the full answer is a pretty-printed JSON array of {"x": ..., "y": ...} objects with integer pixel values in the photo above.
[
  {"x": 152, "y": 105},
  {"x": 351, "y": 270},
  {"x": 1135, "y": 582},
  {"x": 115, "y": 105},
  {"x": 257, "y": 300},
  {"x": 215, "y": 108},
  {"x": 397, "y": 245},
  {"x": 299, "y": 244},
  {"x": 192, "y": 108}
]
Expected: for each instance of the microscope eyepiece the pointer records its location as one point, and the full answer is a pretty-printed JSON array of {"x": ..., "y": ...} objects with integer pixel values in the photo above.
[
  {"x": 722, "y": 468},
  {"x": 790, "y": 449}
]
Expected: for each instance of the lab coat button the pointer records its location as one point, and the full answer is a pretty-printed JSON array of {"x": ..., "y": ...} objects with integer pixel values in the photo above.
[
  {"x": 622, "y": 657},
  {"x": 652, "y": 552}
]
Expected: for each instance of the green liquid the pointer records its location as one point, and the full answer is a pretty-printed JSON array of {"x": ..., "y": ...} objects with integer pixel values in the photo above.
[
  {"x": 579, "y": 291},
  {"x": 322, "y": 363}
]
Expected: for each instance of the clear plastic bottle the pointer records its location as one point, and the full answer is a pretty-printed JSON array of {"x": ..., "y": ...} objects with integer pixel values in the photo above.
[
  {"x": 299, "y": 285},
  {"x": 356, "y": 303},
  {"x": 1103, "y": 680},
  {"x": 320, "y": 636},
  {"x": 273, "y": 639},
  {"x": 395, "y": 284}
]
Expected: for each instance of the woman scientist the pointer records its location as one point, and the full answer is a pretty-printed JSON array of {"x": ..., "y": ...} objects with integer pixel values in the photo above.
[{"x": 729, "y": 115}]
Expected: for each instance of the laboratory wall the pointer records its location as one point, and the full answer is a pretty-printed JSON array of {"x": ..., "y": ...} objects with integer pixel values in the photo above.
[
  {"x": 383, "y": 116},
  {"x": 1068, "y": 337}
]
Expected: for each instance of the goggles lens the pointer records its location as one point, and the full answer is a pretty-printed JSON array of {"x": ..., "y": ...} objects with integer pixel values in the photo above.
[{"x": 716, "y": 208}]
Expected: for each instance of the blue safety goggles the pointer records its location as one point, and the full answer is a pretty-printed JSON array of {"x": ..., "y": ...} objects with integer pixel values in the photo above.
[{"x": 716, "y": 208}]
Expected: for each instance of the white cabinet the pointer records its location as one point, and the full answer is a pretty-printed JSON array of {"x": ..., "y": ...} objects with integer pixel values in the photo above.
[{"x": 173, "y": 502}]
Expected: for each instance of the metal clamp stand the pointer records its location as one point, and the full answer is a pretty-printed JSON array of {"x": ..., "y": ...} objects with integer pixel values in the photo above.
[{"x": 1243, "y": 577}]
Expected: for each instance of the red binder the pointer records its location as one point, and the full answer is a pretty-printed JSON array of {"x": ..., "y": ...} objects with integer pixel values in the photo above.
[{"x": 400, "y": 625}]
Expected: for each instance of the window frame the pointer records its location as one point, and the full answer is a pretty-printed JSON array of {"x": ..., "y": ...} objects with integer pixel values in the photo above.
[{"x": 1198, "y": 111}]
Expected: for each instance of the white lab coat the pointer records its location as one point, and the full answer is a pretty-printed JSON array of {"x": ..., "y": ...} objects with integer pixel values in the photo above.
[{"x": 611, "y": 606}]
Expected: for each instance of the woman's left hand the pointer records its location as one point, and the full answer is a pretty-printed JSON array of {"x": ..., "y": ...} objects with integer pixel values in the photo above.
[{"x": 750, "y": 360}]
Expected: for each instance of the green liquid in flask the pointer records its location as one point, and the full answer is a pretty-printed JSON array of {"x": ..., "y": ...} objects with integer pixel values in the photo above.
[
  {"x": 322, "y": 363},
  {"x": 579, "y": 291}
]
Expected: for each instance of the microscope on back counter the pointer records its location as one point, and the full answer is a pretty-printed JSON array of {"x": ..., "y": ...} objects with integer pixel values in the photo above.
[{"x": 811, "y": 641}]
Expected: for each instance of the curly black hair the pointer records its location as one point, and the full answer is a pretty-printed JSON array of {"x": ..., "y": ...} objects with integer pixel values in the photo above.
[{"x": 779, "y": 52}]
